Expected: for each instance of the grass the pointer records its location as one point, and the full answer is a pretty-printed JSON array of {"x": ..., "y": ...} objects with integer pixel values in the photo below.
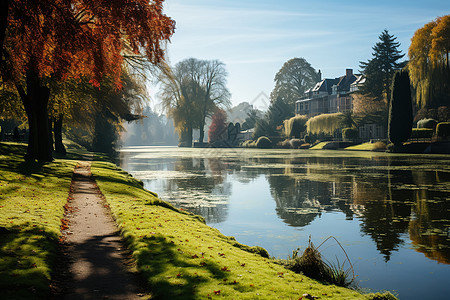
[
  {"x": 180, "y": 257},
  {"x": 32, "y": 199},
  {"x": 380, "y": 146}
]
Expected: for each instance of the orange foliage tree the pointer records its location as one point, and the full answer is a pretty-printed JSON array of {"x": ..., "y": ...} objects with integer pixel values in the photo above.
[
  {"x": 218, "y": 128},
  {"x": 67, "y": 39},
  {"x": 429, "y": 65}
]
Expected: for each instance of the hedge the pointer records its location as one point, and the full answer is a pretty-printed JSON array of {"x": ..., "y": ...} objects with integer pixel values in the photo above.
[
  {"x": 443, "y": 129},
  {"x": 422, "y": 133}
]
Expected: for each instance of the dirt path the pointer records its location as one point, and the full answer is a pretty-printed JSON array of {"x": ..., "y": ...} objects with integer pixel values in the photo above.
[{"x": 97, "y": 262}]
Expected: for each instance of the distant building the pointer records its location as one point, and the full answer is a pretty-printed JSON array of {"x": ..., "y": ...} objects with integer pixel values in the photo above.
[{"x": 328, "y": 96}]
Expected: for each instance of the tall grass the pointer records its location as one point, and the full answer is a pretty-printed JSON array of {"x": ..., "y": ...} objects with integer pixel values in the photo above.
[{"x": 312, "y": 264}]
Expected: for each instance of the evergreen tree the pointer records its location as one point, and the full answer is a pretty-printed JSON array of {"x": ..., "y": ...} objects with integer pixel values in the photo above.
[
  {"x": 381, "y": 68},
  {"x": 400, "y": 109}
]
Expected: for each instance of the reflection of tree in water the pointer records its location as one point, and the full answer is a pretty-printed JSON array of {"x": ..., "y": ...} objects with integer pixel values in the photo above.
[
  {"x": 355, "y": 187},
  {"x": 298, "y": 201},
  {"x": 430, "y": 228},
  {"x": 204, "y": 189},
  {"x": 387, "y": 209}
]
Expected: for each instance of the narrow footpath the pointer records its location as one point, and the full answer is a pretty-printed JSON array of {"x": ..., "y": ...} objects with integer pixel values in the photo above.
[{"x": 97, "y": 259}]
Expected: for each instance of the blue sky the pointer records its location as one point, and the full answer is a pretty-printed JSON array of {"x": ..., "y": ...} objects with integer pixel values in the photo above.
[{"x": 255, "y": 37}]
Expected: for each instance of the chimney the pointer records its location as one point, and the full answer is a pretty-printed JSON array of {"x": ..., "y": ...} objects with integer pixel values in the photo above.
[
  {"x": 348, "y": 72},
  {"x": 320, "y": 75}
]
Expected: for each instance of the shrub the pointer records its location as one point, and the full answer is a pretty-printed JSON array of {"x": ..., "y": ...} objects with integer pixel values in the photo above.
[
  {"x": 379, "y": 146},
  {"x": 443, "y": 129},
  {"x": 307, "y": 139},
  {"x": 295, "y": 143},
  {"x": 427, "y": 123},
  {"x": 263, "y": 142},
  {"x": 422, "y": 133},
  {"x": 284, "y": 144},
  {"x": 350, "y": 133}
]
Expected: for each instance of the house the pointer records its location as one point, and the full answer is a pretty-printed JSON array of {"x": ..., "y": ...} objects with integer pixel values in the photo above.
[{"x": 328, "y": 96}]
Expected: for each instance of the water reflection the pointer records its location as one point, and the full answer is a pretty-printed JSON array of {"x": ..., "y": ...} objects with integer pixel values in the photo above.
[{"x": 400, "y": 203}]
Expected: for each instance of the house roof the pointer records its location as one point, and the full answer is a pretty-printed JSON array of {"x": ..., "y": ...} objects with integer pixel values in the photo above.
[
  {"x": 324, "y": 86},
  {"x": 360, "y": 79},
  {"x": 345, "y": 81}
]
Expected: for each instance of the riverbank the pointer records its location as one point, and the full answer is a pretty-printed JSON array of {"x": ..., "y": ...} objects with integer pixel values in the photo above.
[{"x": 176, "y": 253}]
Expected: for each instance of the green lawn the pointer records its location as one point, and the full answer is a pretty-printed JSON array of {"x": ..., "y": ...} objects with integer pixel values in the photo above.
[{"x": 32, "y": 199}]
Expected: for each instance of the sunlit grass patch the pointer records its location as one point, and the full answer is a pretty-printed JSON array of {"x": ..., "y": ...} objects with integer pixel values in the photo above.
[
  {"x": 378, "y": 146},
  {"x": 180, "y": 257},
  {"x": 32, "y": 199}
]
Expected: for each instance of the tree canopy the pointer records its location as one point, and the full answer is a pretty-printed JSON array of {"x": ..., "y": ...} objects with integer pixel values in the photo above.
[
  {"x": 380, "y": 69},
  {"x": 62, "y": 39},
  {"x": 191, "y": 92},
  {"x": 429, "y": 68},
  {"x": 293, "y": 79}
]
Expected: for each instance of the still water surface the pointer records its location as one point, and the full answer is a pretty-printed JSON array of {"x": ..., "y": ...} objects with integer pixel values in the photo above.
[{"x": 391, "y": 213}]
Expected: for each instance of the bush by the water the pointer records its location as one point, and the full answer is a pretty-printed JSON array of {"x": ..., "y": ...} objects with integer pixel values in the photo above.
[
  {"x": 422, "y": 133},
  {"x": 443, "y": 129},
  {"x": 294, "y": 126},
  {"x": 296, "y": 143},
  {"x": 350, "y": 133},
  {"x": 263, "y": 142},
  {"x": 427, "y": 123}
]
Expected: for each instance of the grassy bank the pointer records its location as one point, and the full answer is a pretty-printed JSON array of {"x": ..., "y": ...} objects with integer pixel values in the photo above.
[
  {"x": 32, "y": 199},
  {"x": 182, "y": 258}
]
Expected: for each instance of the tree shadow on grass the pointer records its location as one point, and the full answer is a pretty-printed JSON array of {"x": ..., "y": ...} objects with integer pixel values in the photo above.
[
  {"x": 157, "y": 258},
  {"x": 26, "y": 253}
]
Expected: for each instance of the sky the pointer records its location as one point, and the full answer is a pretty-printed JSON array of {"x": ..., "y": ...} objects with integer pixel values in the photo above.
[{"x": 254, "y": 38}]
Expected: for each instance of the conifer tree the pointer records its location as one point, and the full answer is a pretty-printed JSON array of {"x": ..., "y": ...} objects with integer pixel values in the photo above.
[
  {"x": 381, "y": 68},
  {"x": 400, "y": 109}
]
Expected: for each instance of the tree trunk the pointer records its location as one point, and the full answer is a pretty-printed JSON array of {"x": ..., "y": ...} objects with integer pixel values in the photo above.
[
  {"x": 35, "y": 102},
  {"x": 50, "y": 133},
  {"x": 59, "y": 146},
  {"x": 4, "y": 8},
  {"x": 202, "y": 133}
]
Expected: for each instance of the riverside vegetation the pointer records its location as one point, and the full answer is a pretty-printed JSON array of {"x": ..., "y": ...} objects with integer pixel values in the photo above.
[{"x": 176, "y": 253}]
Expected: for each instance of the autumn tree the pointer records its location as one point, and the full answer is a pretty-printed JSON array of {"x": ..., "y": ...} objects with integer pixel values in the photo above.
[
  {"x": 429, "y": 63},
  {"x": 292, "y": 80},
  {"x": 380, "y": 69},
  {"x": 62, "y": 39},
  {"x": 218, "y": 128}
]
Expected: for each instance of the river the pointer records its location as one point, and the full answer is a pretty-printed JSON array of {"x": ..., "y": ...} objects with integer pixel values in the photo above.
[{"x": 390, "y": 212}]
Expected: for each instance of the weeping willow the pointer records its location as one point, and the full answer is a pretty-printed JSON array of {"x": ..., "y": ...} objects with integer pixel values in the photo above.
[
  {"x": 295, "y": 125},
  {"x": 429, "y": 67},
  {"x": 325, "y": 123}
]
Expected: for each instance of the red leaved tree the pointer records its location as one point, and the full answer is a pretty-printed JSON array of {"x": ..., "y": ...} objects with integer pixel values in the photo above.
[
  {"x": 62, "y": 39},
  {"x": 218, "y": 128}
]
